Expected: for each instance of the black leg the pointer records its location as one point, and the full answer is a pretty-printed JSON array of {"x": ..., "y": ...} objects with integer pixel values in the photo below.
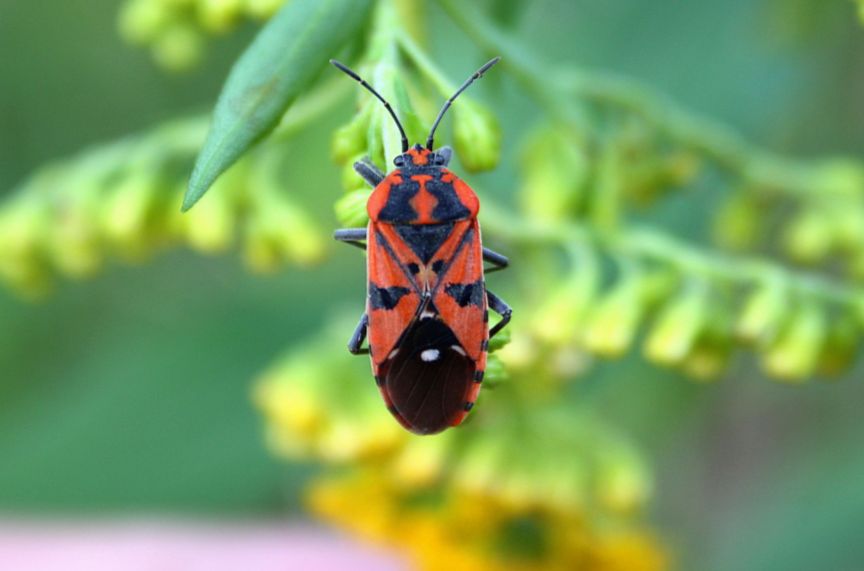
[
  {"x": 353, "y": 236},
  {"x": 358, "y": 337},
  {"x": 370, "y": 173},
  {"x": 498, "y": 261},
  {"x": 500, "y": 307}
]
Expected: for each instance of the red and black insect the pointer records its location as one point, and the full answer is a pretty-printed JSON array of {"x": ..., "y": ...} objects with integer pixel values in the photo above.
[{"x": 427, "y": 306}]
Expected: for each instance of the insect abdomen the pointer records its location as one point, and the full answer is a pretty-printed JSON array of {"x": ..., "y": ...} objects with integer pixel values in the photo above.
[{"x": 429, "y": 379}]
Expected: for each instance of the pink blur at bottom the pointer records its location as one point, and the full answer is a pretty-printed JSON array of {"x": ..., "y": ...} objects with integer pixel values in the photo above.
[{"x": 160, "y": 546}]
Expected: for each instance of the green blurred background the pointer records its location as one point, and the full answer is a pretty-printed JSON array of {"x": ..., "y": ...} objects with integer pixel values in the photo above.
[{"x": 130, "y": 393}]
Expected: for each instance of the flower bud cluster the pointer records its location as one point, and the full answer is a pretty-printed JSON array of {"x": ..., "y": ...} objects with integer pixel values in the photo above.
[
  {"x": 122, "y": 201},
  {"x": 175, "y": 30},
  {"x": 557, "y": 493},
  {"x": 693, "y": 323}
]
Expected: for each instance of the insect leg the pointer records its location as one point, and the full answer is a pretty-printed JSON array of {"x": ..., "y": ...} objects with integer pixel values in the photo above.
[
  {"x": 498, "y": 261},
  {"x": 353, "y": 236},
  {"x": 370, "y": 173},
  {"x": 358, "y": 337},
  {"x": 500, "y": 307}
]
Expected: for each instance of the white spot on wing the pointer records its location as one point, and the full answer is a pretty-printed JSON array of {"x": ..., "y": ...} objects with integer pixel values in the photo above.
[
  {"x": 430, "y": 355},
  {"x": 458, "y": 349}
]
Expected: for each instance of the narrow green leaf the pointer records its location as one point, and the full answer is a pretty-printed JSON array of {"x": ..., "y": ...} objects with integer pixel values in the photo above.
[{"x": 281, "y": 62}]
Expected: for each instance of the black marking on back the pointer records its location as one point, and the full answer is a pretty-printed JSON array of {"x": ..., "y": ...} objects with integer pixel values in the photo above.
[
  {"x": 424, "y": 239},
  {"x": 437, "y": 266},
  {"x": 382, "y": 241},
  {"x": 449, "y": 207},
  {"x": 398, "y": 209},
  {"x": 466, "y": 294},
  {"x": 428, "y": 395},
  {"x": 385, "y": 297}
]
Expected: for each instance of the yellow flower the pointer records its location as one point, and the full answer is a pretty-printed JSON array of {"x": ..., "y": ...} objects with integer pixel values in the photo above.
[
  {"x": 325, "y": 406},
  {"x": 440, "y": 527}
]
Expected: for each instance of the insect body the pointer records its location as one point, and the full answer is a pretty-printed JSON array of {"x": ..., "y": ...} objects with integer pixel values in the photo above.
[{"x": 427, "y": 306}]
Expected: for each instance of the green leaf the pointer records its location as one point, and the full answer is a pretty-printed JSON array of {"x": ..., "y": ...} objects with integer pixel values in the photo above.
[{"x": 282, "y": 61}]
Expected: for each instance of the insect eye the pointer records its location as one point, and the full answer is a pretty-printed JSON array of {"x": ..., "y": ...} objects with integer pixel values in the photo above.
[{"x": 399, "y": 161}]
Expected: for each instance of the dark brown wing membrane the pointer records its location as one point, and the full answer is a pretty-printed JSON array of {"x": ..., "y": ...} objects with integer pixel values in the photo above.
[{"x": 428, "y": 379}]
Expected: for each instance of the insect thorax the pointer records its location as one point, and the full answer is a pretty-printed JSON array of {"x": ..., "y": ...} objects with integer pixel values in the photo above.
[{"x": 422, "y": 195}]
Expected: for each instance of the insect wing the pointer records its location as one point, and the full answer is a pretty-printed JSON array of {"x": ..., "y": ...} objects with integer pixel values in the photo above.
[
  {"x": 392, "y": 301},
  {"x": 460, "y": 295}
]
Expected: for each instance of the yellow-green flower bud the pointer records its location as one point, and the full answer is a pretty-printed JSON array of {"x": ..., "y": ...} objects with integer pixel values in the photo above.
[
  {"x": 555, "y": 172},
  {"x": 559, "y": 320},
  {"x": 496, "y": 372},
  {"x": 219, "y": 15},
  {"x": 279, "y": 231},
  {"x": 351, "y": 209},
  {"x": 795, "y": 353},
  {"x": 809, "y": 237},
  {"x": 179, "y": 47},
  {"x": 677, "y": 327},
  {"x": 737, "y": 223},
  {"x": 500, "y": 340},
  {"x": 211, "y": 225},
  {"x": 841, "y": 346},
  {"x": 260, "y": 251},
  {"x": 350, "y": 140},
  {"x": 128, "y": 212},
  {"x": 23, "y": 225},
  {"x": 141, "y": 21},
  {"x": 709, "y": 357},
  {"x": 613, "y": 322},
  {"x": 74, "y": 241},
  {"x": 764, "y": 314},
  {"x": 476, "y": 136},
  {"x": 350, "y": 179}
]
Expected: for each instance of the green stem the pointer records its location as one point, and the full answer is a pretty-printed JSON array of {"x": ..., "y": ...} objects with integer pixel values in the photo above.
[
  {"x": 726, "y": 148},
  {"x": 426, "y": 65},
  {"x": 760, "y": 168},
  {"x": 384, "y": 52}
]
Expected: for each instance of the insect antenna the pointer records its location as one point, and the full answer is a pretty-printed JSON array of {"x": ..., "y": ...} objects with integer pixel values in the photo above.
[
  {"x": 474, "y": 77},
  {"x": 351, "y": 73}
]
